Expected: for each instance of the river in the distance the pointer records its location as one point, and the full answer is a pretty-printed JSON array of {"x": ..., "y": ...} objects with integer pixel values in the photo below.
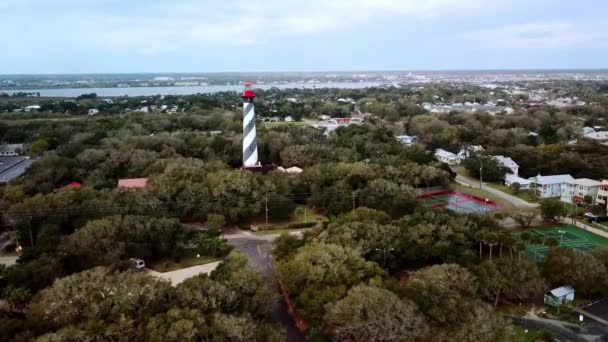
[{"x": 190, "y": 90}]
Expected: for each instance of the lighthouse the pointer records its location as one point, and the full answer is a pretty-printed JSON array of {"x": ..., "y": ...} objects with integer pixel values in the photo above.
[{"x": 250, "y": 145}]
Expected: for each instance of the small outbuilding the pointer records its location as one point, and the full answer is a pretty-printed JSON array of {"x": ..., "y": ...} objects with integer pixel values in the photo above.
[{"x": 560, "y": 296}]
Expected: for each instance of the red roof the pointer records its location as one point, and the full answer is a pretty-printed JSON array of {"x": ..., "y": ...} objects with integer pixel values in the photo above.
[
  {"x": 248, "y": 93},
  {"x": 248, "y": 83},
  {"x": 132, "y": 183},
  {"x": 75, "y": 185},
  {"x": 604, "y": 186}
]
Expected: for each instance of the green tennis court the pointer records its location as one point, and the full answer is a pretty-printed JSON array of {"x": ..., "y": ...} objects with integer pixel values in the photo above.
[{"x": 568, "y": 236}]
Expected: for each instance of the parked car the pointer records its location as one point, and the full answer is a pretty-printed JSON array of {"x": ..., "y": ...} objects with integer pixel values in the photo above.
[
  {"x": 138, "y": 263},
  {"x": 590, "y": 215}
]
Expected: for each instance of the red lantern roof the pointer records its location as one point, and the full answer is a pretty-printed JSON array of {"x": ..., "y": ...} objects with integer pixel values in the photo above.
[{"x": 248, "y": 93}]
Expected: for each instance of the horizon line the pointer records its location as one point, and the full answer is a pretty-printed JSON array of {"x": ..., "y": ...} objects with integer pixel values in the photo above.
[{"x": 310, "y": 71}]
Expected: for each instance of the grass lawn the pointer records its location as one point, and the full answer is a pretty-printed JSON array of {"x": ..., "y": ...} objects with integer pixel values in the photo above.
[
  {"x": 523, "y": 194},
  {"x": 299, "y": 216},
  {"x": 480, "y": 194},
  {"x": 189, "y": 259},
  {"x": 530, "y": 336}
]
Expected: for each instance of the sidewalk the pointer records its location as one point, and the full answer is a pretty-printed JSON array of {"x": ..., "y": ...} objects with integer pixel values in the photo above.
[{"x": 590, "y": 229}]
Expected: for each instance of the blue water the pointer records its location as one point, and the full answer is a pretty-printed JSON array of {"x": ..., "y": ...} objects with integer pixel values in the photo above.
[{"x": 190, "y": 90}]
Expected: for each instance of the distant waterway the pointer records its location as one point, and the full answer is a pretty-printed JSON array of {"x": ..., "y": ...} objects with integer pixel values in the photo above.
[{"x": 190, "y": 90}]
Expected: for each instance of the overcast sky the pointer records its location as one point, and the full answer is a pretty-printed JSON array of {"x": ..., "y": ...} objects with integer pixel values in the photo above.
[{"x": 100, "y": 36}]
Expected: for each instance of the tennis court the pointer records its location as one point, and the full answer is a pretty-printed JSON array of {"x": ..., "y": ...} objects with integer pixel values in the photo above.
[
  {"x": 568, "y": 236},
  {"x": 458, "y": 202}
]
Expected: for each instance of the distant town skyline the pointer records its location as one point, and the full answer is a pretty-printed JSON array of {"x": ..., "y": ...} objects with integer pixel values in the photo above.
[{"x": 153, "y": 36}]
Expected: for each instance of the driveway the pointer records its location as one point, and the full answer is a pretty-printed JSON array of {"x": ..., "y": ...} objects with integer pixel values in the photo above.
[
  {"x": 473, "y": 183},
  {"x": 177, "y": 277},
  {"x": 8, "y": 261}
]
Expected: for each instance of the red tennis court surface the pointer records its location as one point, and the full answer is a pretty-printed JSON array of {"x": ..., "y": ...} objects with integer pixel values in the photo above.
[{"x": 458, "y": 202}]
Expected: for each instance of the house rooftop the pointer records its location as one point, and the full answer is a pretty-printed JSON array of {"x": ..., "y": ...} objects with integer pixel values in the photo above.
[
  {"x": 511, "y": 178},
  {"x": 133, "y": 183},
  {"x": 557, "y": 179},
  {"x": 443, "y": 153},
  {"x": 562, "y": 291},
  {"x": 506, "y": 161},
  {"x": 586, "y": 182}
]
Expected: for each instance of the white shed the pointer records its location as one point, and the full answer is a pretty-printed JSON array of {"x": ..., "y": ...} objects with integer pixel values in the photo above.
[{"x": 560, "y": 296}]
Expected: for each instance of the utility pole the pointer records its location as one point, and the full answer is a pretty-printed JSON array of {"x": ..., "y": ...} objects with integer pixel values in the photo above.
[
  {"x": 29, "y": 226},
  {"x": 384, "y": 251},
  {"x": 305, "y": 220},
  {"x": 480, "y": 173},
  {"x": 354, "y": 194}
]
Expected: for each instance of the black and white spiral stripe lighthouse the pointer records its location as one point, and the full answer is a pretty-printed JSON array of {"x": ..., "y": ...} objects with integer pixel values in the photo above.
[{"x": 250, "y": 145}]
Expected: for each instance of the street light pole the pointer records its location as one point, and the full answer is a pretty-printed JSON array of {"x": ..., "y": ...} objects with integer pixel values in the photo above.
[
  {"x": 485, "y": 206},
  {"x": 561, "y": 237}
]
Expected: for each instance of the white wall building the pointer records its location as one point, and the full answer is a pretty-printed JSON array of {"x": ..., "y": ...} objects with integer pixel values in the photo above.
[
  {"x": 446, "y": 157},
  {"x": 508, "y": 163},
  {"x": 469, "y": 151},
  {"x": 602, "y": 194},
  {"x": 11, "y": 150},
  {"x": 524, "y": 184},
  {"x": 578, "y": 189},
  {"x": 551, "y": 186},
  {"x": 93, "y": 111},
  {"x": 407, "y": 140}
]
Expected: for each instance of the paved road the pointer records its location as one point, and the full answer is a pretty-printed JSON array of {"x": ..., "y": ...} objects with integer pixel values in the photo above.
[
  {"x": 8, "y": 261},
  {"x": 563, "y": 331},
  {"x": 518, "y": 202},
  {"x": 177, "y": 277},
  {"x": 258, "y": 250}
]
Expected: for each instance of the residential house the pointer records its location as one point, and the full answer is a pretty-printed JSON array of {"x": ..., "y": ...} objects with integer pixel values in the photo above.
[
  {"x": 469, "y": 151},
  {"x": 446, "y": 157},
  {"x": 508, "y": 163},
  {"x": 93, "y": 112},
  {"x": 524, "y": 184},
  {"x": 289, "y": 119},
  {"x": 602, "y": 194},
  {"x": 11, "y": 150},
  {"x": 324, "y": 117},
  {"x": 577, "y": 190},
  {"x": 551, "y": 186},
  {"x": 407, "y": 140}
]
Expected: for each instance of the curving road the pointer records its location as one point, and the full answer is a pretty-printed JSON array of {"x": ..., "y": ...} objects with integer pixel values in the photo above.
[{"x": 473, "y": 183}]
